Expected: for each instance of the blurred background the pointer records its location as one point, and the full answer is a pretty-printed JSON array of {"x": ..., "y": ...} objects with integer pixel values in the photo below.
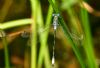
[{"x": 18, "y": 38}]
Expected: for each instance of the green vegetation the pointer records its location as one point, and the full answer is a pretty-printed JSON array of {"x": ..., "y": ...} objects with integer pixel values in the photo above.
[{"x": 80, "y": 27}]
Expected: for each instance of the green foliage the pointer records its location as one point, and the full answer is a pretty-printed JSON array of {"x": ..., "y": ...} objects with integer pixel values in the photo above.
[{"x": 37, "y": 22}]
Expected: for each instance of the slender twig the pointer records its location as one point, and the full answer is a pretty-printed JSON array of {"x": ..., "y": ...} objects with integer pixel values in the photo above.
[
  {"x": 15, "y": 23},
  {"x": 6, "y": 52},
  {"x": 43, "y": 39},
  {"x": 87, "y": 42},
  {"x": 34, "y": 6},
  {"x": 90, "y": 9}
]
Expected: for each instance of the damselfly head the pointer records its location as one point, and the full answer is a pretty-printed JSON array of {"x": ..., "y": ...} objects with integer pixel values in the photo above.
[
  {"x": 56, "y": 15},
  {"x": 55, "y": 20}
]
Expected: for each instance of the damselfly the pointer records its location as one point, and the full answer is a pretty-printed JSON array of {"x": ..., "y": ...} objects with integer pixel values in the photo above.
[{"x": 55, "y": 25}]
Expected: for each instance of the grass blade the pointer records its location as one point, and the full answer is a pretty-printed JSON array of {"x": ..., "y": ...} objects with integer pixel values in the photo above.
[
  {"x": 44, "y": 53},
  {"x": 34, "y": 6},
  {"x": 6, "y": 53},
  {"x": 88, "y": 46},
  {"x": 15, "y": 23},
  {"x": 67, "y": 34}
]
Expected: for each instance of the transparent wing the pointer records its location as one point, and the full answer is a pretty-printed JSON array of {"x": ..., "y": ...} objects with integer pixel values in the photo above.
[
  {"x": 43, "y": 29},
  {"x": 76, "y": 37},
  {"x": 73, "y": 35}
]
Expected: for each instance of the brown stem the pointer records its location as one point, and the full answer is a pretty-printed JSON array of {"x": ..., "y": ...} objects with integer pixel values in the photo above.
[{"x": 90, "y": 9}]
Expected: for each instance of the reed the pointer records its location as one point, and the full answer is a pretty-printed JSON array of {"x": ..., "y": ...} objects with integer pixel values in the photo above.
[{"x": 36, "y": 22}]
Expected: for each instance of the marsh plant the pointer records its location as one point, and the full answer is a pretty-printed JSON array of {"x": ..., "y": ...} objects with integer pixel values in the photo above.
[{"x": 73, "y": 31}]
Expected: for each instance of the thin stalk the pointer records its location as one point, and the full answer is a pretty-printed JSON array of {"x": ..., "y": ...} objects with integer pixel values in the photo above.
[
  {"x": 40, "y": 21},
  {"x": 48, "y": 20},
  {"x": 40, "y": 25},
  {"x": 7, "y": 64},
  {"x": 34, "y": 6},
  {"x": 44, "y": 53},
  {"x": 67, "y": 34},
  {"x": 47, "y": 57},
  {"x": 15, "y": 23},
  {"x": 88, "y": 46},
  {"x": 52, "y": 2},
  {"x": 3, "y": 37}
]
